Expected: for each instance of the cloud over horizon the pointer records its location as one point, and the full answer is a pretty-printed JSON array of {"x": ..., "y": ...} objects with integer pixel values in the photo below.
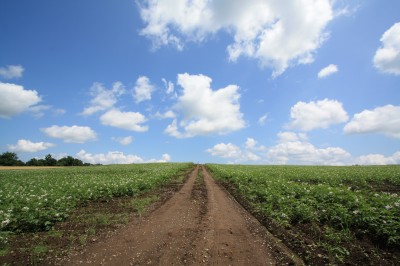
[
  {"x": 24, "y": 145},
  {"x": 384, "y": 120},
  {"x": 319, "y": 114}
]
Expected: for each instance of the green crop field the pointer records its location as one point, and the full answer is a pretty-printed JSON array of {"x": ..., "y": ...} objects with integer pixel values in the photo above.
[
  {"x": 33, "y": 200},
  {"x": 332, "y": 205}
]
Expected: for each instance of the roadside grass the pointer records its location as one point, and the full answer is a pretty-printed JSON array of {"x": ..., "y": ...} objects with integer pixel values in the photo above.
[{"x": 140, "y": 204}]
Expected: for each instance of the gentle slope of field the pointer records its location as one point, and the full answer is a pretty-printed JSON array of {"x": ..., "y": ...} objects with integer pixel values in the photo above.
[
  {"x": 75, "y": 203},
  {"x": 327, "y": 214},
  {"x": 147, "y": 214}
]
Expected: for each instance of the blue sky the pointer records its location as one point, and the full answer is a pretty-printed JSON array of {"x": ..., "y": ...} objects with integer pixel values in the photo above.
[{"x": 260, "y": 82}]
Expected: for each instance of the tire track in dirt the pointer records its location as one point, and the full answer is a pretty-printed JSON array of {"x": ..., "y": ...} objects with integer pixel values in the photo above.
[
  {"x": 200, "y": 225},
  {"x": 228, "y": 238}
]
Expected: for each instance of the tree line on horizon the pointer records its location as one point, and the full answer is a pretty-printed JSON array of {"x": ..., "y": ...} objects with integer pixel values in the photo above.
[{"x": 11, "y": 159}]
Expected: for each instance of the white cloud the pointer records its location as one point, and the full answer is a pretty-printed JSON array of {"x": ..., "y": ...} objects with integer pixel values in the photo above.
[
  {"x": 385, "y": 120},
  {"x": 165, "y": 157},
  {"x": 125, "y": 120},
  {"x": 117, "y": 157},
  {"x": 251, "y": 143},
  {"x": 70, "y": 134},
  {"x": 11, "y": 71},
  {"x": 262, "y": 120},
  {"x": 378, "y": 159},
  {"x": 327, "y": 71},
  {"x": 277, "y": 33},
  {"x": 293, "y": 148},
  {"x": 205, "y": 111},
  {"x": 29, "y": 146},
  {"x": 123, "y": 140},
  {"x": 169, "y": 86},
  {"x": 225, "y": 150},
  {"x": 231, "y": 151},
  {"x": 112, "y": 157},
  {"x": 15, "y": 99},
  {"x": 167, "y": 114},
  {"x": 103, "y": 98},
  {"x": 320, "y": 114},
  {"x": 291, "y": 136},
  {"x": 38, "y": 110},
  {"x": 387, "y": 57},
  {"x": 143, "y": 89}
]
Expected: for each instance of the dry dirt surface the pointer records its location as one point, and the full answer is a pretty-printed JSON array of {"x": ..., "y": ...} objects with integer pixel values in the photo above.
[{"x": 200, "y": 225}]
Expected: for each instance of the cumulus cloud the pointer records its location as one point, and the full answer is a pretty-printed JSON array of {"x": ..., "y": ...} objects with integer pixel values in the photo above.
[
  {"x": 116, "y": 157},
  {"x": 143, "y": 89},
  {"x": 276, "y": 33},
  {"x": 103, "y": 99},
  {"x": 294, "y": 148},
  {"x": 327, "y": 71},
  {"x": 378, "y": 159},
  {"x": 250, "y": 152},
  {"x": 252, "y": 145},
  {"x": 320, "y": 114},
  {"x": 125, "y": 120},
  {"x": 164, "y": 159},
  {"x": 11, "y": 71},
  {"x": 384, "y": 120},
  {"x": 225, "y": 150},
  {"x": 387, "y": 57},
  {"x": 204, "y": 110},
  {"x": 71, "y": 134},
  {"x": 123, "y": 140},
  {"x": 112, "y": 157},
  {"x": 24, "y": 145},
  {"x": 15, "y": 99}
]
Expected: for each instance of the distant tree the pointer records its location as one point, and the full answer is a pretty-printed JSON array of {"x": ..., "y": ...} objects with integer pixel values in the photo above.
[
  {"x": 69, "y": 161},
  {"x": 10, "y": 159},
  {"x": 32, "y": 162},
  {"x": 78, "y": 162},
  {"x": 50, "y": 161}
]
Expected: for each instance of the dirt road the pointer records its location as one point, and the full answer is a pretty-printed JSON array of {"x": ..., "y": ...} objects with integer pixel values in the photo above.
[{"x": 200, "y": 224}]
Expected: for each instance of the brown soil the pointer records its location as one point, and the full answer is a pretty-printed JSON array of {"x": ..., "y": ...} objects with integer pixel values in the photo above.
[{"x": 200, "y": 224}]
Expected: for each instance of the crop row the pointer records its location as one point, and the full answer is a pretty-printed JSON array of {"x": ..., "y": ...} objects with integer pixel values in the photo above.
[
  {"x": 360, "y": 200},
  {"x": 32, "y": 200}
]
